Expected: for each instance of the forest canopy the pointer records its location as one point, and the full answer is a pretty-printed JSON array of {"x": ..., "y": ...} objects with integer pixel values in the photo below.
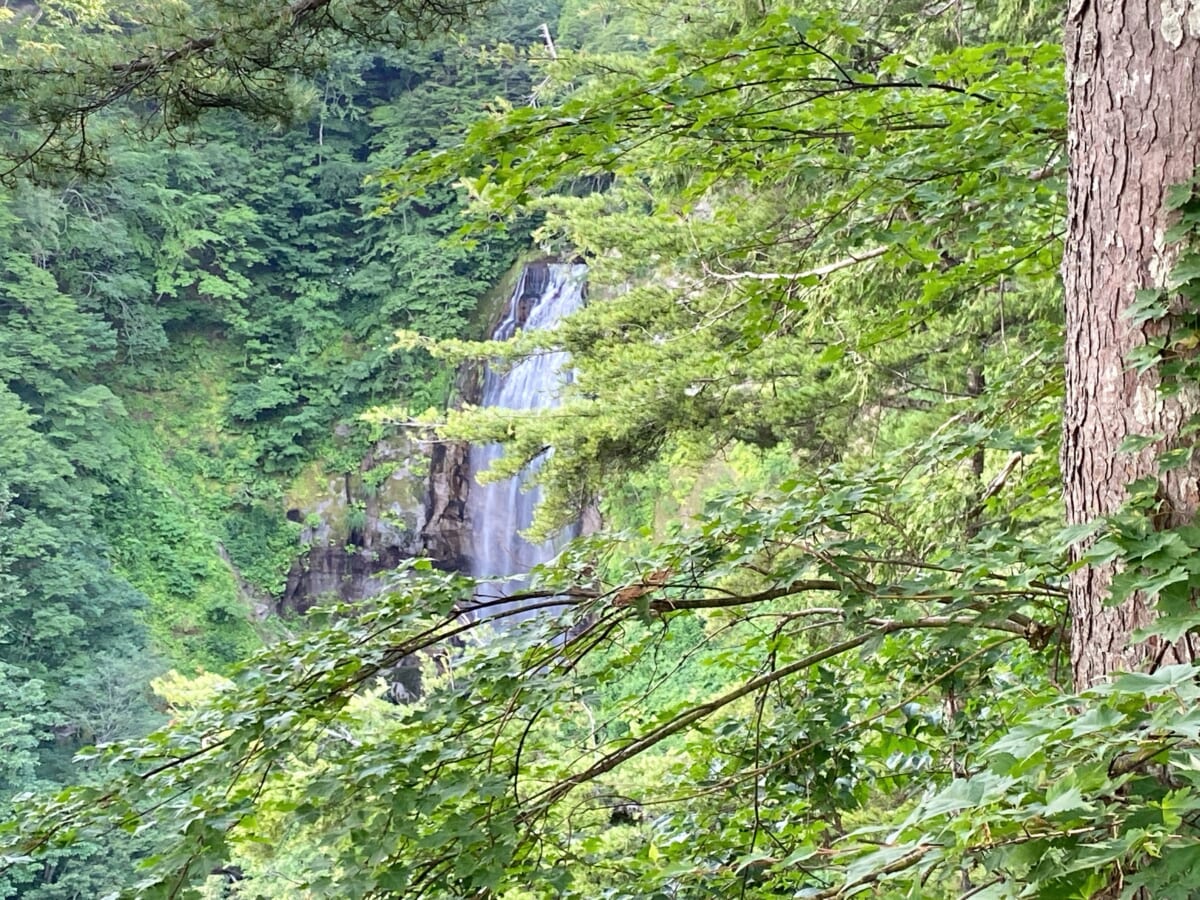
[
  {"x": 161, "y": 67},
  {"x": 894, "y": 593}
]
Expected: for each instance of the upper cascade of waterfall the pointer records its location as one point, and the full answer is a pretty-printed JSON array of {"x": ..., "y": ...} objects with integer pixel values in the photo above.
[
  {"x": 498, "y": 512},
  {"x": 546, "y": 293}
]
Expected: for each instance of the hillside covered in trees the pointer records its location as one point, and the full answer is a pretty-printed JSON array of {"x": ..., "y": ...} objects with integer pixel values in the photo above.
[{"x": 879, "y": 418}]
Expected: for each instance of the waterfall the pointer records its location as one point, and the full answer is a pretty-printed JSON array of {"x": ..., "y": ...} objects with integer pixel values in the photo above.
[{"x": 498, "y": 512}]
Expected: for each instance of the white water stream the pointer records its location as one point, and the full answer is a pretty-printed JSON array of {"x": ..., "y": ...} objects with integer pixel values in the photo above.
[{"x": 498, "y": 512}]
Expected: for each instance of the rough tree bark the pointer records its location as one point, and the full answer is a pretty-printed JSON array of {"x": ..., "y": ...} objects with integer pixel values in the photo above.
[{"x": 1134, "y": 130}]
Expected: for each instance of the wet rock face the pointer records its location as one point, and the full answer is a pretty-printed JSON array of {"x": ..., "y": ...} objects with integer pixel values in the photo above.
[
  {"x": 358, "y": 526},
  {"x": 407, "y": 499},
  {"x": 347, "y": 574},
  {"x": 445, "y": 537}
]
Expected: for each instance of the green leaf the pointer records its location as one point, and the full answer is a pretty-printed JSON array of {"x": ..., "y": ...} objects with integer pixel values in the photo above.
[
  {"x": 1135, "y": 443},
  {"x": 1177, "y": 195}
]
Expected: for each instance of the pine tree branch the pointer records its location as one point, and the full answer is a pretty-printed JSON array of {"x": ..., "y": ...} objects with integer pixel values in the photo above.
[{"x": 846, "y": 262}]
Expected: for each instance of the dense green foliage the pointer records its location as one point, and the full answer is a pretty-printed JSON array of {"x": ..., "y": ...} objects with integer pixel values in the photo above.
[
  {"x": 161, "y": 68},
  {"x": 181, "y": 338},
  {"x": 820, "y": 650},
  {"x": 239, "y": 295},
  {"x": 74, "y": 647}
]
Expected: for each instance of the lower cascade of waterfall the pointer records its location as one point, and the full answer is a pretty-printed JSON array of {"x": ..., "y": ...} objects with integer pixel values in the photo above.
[{"x": 498, "y": 512}]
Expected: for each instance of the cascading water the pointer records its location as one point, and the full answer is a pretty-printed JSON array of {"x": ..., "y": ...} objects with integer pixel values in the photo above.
[{"x": 500, "y": 511}]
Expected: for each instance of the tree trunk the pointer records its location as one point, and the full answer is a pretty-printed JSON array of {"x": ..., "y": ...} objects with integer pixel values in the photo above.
[{"x": 1134, "y": 130}]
